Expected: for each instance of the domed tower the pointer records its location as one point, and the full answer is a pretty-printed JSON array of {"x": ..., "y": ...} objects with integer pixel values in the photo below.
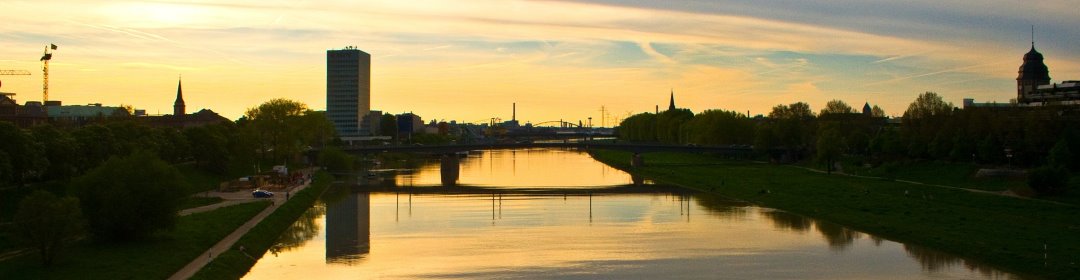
[{"x": 1033, "y": 73}]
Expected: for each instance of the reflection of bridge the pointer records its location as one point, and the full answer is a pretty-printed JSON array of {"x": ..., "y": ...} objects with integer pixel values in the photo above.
[
  {"x": 632, "y": 147},
  {"x": 537, "y": 191},
  {"x": 450, "y": 164}
]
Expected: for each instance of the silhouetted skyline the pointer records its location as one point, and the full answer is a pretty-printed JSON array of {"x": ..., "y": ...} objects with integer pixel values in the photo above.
[{"x": 469, "y": 60}]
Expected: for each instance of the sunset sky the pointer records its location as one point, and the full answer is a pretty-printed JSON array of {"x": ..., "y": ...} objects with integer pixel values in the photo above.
[{"x": 469, "y": 60}]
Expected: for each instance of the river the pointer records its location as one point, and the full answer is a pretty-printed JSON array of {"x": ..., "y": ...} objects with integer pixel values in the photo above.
[{"x": 559, "y": 214}]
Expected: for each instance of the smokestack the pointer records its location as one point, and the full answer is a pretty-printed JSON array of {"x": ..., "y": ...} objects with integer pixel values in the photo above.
[{"x": 513, "y": 117}]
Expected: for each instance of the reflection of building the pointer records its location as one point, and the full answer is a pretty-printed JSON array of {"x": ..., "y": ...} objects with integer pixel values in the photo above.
[
  {"x": 348, "y": 228},
  {"x": 348, "y": 90}
]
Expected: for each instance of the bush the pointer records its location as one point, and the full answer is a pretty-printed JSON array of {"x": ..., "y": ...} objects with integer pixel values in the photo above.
[
  {"x": 130, "y": 198},
  {"x": 1048, "y": 180}
]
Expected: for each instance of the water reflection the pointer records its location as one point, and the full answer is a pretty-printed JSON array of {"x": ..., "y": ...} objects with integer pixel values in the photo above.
[
  {"x": 934, "y": 261},
  {"x": 548, "y": 168},
  {"x": 301, "y": 231},
  {"x": 788, "y": 221},
  {"x": 348, "y": 228},
  {"x": 382, "y": 228}
]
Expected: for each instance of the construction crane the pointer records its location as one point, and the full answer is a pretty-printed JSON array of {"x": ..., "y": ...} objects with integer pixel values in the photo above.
[
  {"x": 13, "y": 73},
  {"x": 45, "y": 68}
]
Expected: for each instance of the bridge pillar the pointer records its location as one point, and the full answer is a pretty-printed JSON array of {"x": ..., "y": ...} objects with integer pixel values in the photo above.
[
  {"x": 449, "y": 169},
  {"x": 637, "y": 161}
]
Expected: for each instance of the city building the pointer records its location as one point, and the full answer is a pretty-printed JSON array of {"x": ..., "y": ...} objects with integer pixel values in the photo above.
[
  {"x": 348, "y": 91},
  {"x": 23, "y": 116},
  {"x": 179, "y": 109},
  {"x": 180, "y": 118},
  {"x": 1033, "y": 86},
  {"x": 80, "y": 115}
]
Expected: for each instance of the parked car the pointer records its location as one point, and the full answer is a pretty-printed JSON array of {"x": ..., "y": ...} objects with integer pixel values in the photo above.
[{"x": 262, "y": 194}]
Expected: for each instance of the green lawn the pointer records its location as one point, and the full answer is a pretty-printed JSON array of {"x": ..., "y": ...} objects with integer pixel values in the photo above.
[
  {"x": 938, "y": 173},
  {"x": 157, "y": 258},
  {"x": 1005, "y": 232},
  {"x": 233, "y": 264},
  {"x": 196, "y": 201}
]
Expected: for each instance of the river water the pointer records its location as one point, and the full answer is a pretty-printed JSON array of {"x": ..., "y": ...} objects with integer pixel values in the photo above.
[{"x": 558, "y": 214}]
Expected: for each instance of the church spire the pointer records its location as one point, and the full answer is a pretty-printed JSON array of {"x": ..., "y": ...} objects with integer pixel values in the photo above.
[
  {"x": 178, "y": 105},
  {"x": 671, "y": 105}
]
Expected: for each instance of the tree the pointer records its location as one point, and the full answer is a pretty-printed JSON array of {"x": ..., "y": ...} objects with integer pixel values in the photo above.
[
  {"x": 639, "y": 128},
  {"x": 797, "y": 110},
  {"x": 316, "y": 129},
  {"x": 1060, "y": 156},
  {"x": 836, "y": 107},
  {"x": 209, "y": 147},
  {"x": 60, "y": 149},
  {"x": 46, "y": 223},
  {"x": 792, "y": 128},
  {"x": 276, "y": 125},
  {"x": 669, "y": 124},
  {"x": 335, "y": 160},
  {"x": 97, "y": 144},
  {"x": 829, "y": 148},
  {"x": 877, "y": 112},
  {"x": 26, "y": 155},
  {"x": 719, "y": 127},
  {"x": 927, "y": 105},
  {"x": 388, "y": 126},
  {"x": 129, "y": 198}
]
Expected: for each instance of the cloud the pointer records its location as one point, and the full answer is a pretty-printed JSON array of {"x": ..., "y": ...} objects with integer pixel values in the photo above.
[{"x": 752, "y": 50}]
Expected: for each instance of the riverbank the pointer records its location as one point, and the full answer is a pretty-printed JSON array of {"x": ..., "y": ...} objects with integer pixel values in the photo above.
[
  {"x": 1005, "y": 232},
  {"x": 234, "y": 263},
  {"x": 151, "y": 259}
]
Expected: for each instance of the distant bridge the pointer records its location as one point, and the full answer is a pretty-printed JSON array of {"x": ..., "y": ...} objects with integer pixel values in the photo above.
[{"x": 735, "y": 150}]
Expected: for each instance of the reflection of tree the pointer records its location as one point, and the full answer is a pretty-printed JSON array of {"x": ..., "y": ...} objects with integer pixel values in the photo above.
[
  {"x": 934, "y": 261},
  {"x": 839, "y": 237},
  {"x": 788, "y": 221},
  {"x": 877, "y": 240},
  {"x": 305, "y": 228},
  {"x": 721, "y": 206}
]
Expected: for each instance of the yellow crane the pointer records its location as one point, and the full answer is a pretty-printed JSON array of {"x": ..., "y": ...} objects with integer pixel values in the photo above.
[
  {"x": 13, "y": 72},
  {"x": 45, "y": 68}
]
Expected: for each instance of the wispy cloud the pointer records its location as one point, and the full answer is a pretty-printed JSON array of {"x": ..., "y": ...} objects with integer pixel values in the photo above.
[{"x": 737, "y": 53}]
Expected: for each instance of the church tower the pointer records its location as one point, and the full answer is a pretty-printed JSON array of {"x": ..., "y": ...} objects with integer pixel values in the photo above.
[
  {"x": 671, "y": 105},
  {"x": 178, "y": 105},
  {"x": 1033, "y": 73}
]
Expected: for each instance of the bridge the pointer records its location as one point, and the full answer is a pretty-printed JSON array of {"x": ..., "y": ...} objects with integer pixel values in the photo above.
[
  {"x": 450, "y": 162},
  {"x": 733, "y": 150}
]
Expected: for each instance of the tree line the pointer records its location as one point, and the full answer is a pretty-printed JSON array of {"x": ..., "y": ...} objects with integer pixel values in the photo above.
[
  {"x": 930, "y": 129},
  {"x": 118, "y": 177}
]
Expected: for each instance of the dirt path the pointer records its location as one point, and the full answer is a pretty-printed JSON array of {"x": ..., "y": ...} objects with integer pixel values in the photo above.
[{"x": 226, "y": 243}]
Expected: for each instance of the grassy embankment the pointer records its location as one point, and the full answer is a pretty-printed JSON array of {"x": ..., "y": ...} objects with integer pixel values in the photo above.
[
  {"x": 1005, "y": 232},
  {"x": 157, "y": 258},
  {"x": 197, "y": 181},
  {"x": 234, "y": 264}
]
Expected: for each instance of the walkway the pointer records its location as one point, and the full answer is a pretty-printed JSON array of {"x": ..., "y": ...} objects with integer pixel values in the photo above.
[{"x": 226, "y": 243}]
